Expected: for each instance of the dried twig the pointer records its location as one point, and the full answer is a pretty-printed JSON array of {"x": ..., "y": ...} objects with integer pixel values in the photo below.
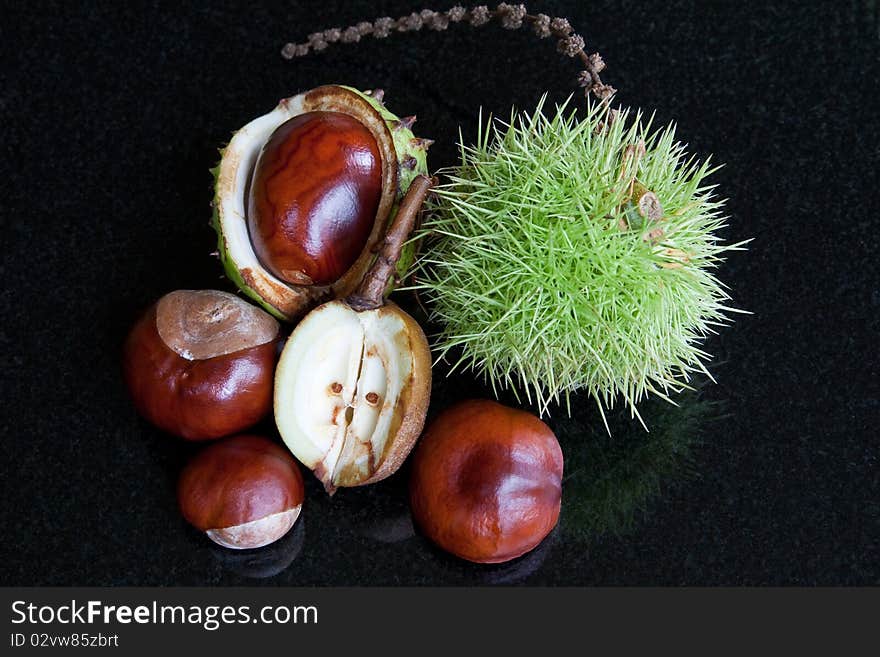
[
  {"x": 511, "y": 17},
  {"x": 370, "y": 292}
]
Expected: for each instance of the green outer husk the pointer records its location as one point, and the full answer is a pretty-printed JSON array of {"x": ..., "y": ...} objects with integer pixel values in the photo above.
[
  {"x": 402, "y": 144},
  {"x": 229, "y": 266},
  {"x": 402, "y": 138},
  {"x": 545, "y": 280}
]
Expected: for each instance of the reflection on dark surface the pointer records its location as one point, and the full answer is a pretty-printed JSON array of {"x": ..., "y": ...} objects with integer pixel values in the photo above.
[
  {"x": 381, "y": 514},
  {"x": 609, "y": 483},
  {"x": 391, "y": 529},
  {"x": 610, "y": 479},
  {"x": 519, "y": 569},
  {"x": 452, "y": 569},
  {"x": 267, "y": 561}
]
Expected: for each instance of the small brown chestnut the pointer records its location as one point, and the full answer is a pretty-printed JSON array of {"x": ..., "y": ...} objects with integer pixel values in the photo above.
[
  {"x": 200, "y": 363},
  {"x": 243, "y": 492},
  {"x": 314, "y": 197},
  {"x": 486, "y": 481}
]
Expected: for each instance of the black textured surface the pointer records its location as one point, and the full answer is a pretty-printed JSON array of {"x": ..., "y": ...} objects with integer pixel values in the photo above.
[{"x": 112, "y": 114}]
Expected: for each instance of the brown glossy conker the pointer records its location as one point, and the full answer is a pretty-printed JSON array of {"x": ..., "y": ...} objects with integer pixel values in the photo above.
[
  {"x": 314, "y": 196},
  {"x": 316, "y": 256},
  {"x": 486, "y": 482},
  {"x": 243, "y": 492},
  {"x": 200, "y": 363}
]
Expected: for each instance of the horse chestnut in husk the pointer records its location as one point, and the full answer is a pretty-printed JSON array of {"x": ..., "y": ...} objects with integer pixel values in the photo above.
[
  {"x": 314, "y": 195},
  {"x": 486, "y": 482},
  {"x": 200, "y": 363},
  {"x": 354, "y": 380},
  {"x": 243, "y": 492},
  {"x": 304, "y": 194}
]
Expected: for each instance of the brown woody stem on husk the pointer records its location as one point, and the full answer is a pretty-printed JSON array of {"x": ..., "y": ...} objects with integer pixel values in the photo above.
[{"x": 370, "y": 294}]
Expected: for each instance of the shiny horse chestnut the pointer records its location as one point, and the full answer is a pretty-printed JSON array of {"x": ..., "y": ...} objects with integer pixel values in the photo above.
[
  {"x": 486, "y": 481},
  {"x": 200, "y": 363},
  {"x": 314, "y": 196},
  {"x": 243, "y": 492}
]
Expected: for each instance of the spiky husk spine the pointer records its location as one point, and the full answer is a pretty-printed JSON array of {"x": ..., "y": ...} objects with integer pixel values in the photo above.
[{"x": 551, "y": 268}]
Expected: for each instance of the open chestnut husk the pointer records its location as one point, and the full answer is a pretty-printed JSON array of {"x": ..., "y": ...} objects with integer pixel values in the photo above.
[
  {"x": 486, "y": 481},
  {"x": 314, "y": 196},
  {"x": 304, "y": 194},
  {"x": 243, "y": 492},
  {"x": 354, "y": 379},
  {"x": 200, "y": 363}
]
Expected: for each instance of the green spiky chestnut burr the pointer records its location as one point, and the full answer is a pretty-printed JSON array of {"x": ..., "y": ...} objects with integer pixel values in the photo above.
[
  {"x": 304, "y": 194},
  {"x": 569, "y": 254}
]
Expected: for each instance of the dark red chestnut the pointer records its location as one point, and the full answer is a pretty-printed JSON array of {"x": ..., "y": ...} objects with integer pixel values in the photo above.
[
  {"x": 200, "y": 363},
  {"x": 243, "y": 492},
  {"x": 486, "y": 481},
  {"x": 314, "y": 196}
]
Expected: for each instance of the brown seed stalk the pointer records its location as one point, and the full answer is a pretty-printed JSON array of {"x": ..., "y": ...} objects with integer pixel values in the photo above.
[
  {"x": 510, "y": 16},
  {"x": 370, "y": 294}
]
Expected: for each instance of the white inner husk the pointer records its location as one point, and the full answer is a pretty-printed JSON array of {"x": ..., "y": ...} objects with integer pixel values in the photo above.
[
  {"x": 367, "y": 355},
  {"x": 243, "y": 149}
]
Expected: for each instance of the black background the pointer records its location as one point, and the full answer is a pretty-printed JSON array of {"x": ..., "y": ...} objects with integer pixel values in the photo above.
[{"x": 111, "y": 117}]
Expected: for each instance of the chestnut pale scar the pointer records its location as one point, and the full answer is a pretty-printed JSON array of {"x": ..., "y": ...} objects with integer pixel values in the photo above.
[{"x": 203, "y": 324}]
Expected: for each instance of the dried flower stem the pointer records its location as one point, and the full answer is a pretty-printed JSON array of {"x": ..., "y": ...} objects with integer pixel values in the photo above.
[{"x": 511, "y": 17}]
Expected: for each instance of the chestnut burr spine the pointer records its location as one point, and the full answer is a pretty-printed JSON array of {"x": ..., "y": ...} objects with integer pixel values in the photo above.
[{"x": 369, "y": 295}]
